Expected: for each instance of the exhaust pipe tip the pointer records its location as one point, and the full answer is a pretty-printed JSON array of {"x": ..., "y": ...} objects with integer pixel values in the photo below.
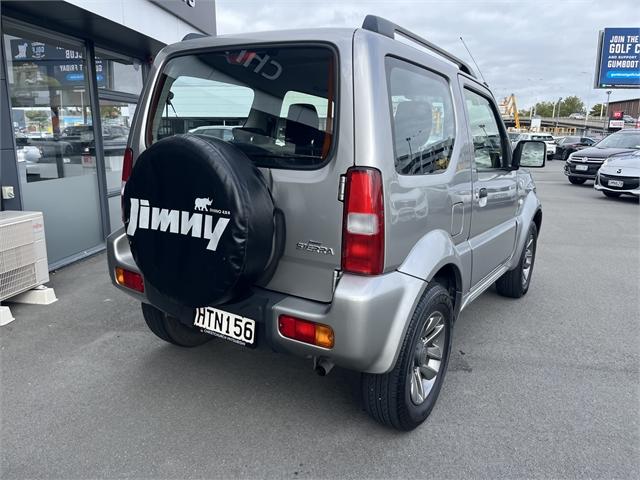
[{"x": 323, "y": 366}]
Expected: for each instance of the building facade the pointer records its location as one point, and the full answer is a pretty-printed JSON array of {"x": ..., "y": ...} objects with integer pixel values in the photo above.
[
  {"x": 71, "y": 73},
  {"x": 629, "y": 107}
]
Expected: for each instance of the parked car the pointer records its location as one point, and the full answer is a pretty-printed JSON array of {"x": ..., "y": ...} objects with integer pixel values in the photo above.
[
  {"x": 577, "y": 116},
  {"x": 628, "y": 119},
  {"x": 28, "y": 153},
  {"x": 543, "y": 137},
  {"x": 619, "y": 175},
  {"x": 222, "y": 132},
  {"x": 571, "y": 144},
  {"x": 584, "y": 164},
  {"x": 384, "y": 245}
]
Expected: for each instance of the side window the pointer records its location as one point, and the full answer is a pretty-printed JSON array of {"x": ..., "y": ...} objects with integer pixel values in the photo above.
[
  {"x": 488, "y": 144},
  {"x": 423, "y": 121}
]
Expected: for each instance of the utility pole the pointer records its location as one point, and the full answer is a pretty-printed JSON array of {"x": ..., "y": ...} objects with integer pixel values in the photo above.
[{"x": 555, "y": 130}]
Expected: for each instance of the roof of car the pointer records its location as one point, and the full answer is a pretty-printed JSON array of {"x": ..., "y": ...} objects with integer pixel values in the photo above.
[{"x": 310, "y": 34}]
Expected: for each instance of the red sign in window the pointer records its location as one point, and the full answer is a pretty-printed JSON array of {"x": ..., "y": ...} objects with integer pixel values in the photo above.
[{"x": 617, "y": 115}]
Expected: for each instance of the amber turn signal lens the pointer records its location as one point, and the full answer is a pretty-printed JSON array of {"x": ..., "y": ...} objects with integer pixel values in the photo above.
[{"x": 324, "y": 336}]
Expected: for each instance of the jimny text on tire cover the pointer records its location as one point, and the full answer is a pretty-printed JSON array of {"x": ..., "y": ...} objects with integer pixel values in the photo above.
[{"x": 178, "y": 221}]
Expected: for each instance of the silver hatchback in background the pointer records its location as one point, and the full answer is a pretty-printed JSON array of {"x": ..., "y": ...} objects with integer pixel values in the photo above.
[
  {"x": 619, "y": 175},
  {"x": 368, "y": 195}
]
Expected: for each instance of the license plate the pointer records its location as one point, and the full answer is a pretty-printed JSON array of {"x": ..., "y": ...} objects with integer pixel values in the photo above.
[
  {"x": 615, "y": 183},
  {"x": 226, "y": 325},
  {"x": 582, "y": 168}
]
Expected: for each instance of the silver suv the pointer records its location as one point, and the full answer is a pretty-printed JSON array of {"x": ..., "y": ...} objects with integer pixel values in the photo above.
[{"x": 368, "y": 195}]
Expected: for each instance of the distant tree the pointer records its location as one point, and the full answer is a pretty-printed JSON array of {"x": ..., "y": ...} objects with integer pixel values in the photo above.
[
  {"x": 544, "y": 109},
  {"x": 569, "y": 105},
  {"x": 110, "y": 111},
  {"x": 39, "y": 117},
  {"x": 595, "y": 110}
]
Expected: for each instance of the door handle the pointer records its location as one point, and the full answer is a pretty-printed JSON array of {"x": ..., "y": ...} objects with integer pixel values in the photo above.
[{"x": 483, "y": 193}]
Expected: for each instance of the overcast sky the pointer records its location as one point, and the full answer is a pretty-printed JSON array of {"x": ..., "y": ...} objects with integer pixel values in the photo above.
[{"x": 539, "y": 50}]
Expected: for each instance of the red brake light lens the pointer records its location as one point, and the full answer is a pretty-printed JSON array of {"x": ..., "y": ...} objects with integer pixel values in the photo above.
[
  {"x": 306, "y": 331},
  {"x": 127, "y": 167},
  {"x": 363, "y": 222},
  {"x": 130, "y": 279}
]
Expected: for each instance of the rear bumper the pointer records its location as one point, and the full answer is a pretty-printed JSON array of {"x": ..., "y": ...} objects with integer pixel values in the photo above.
[{"x": 368, "y": 315}]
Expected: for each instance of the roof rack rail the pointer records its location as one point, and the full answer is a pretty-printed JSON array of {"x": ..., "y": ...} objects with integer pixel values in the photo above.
[{"x": 387, "y": 28}]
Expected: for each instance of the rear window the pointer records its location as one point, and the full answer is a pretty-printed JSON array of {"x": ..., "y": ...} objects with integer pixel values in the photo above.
[
  {"x": 545, "y": 138},
  {"x": 277, "y": 104}
]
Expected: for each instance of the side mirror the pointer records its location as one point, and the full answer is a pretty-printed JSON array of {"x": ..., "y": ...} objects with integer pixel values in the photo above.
[{"x": 530, "y": 154}]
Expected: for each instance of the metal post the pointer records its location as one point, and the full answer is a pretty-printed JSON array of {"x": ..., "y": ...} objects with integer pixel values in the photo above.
[
  {"x": 606, "y": 117},
  {"x": 97, "y": 135},
  {"x": 555, "y": 130}
]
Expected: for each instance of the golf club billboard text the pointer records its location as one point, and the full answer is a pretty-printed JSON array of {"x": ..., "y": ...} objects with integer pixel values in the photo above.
[{"x": 619, "y": 58}]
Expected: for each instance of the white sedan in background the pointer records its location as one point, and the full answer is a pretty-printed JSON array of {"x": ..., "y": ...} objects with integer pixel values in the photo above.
[
  {"x": 543, "y": 137},
  {"x": 619, "y": 175}
]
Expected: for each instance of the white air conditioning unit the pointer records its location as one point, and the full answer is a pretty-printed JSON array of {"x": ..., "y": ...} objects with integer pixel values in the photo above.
[{"x": 23, "y": 252}]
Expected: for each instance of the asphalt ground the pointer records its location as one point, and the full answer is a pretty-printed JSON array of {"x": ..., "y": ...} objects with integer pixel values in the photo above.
[{"x": 542, "y": 387}]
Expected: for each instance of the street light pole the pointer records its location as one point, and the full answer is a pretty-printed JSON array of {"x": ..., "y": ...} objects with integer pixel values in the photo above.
[
  {"x": 557, "y": 114},
  {"x": 604, "y": 122}
]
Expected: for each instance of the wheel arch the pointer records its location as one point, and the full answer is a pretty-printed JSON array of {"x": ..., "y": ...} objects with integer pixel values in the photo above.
[
  {"x": 436, "y": 257},
  {"x": 530, "y": 212},
  {"x": 537, "y": 219},
  {"x": 450, "y": 277}
]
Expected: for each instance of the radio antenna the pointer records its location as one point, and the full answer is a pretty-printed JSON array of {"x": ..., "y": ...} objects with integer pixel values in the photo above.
[{"x": 474, "y": 61}]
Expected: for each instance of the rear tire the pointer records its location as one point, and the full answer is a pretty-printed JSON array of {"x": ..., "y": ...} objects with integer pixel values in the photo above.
[
  {"x": 577, "y": 181},
  {"x": 611, "y": 194},
  {"x": 171, "y": 330},
  {"x": 515, "y": 283},
  {"x": 404, "y": 397}
]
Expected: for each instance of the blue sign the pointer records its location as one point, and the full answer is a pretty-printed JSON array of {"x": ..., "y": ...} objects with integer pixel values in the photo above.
[
  {"x": 619, "y": 65},
  {"x": 62, "y": 64}
]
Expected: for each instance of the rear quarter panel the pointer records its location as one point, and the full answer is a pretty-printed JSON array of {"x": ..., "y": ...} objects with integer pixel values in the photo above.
[{"x": 435, "y": 195}]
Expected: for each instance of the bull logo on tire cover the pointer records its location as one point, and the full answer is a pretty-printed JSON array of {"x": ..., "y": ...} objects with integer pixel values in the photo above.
[
  {"x": 202, "y": 204},
  {"x": 197, "y": 225}
]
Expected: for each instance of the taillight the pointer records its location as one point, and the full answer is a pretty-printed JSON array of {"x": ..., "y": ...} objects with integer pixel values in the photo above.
[
  {"x": 127, "y": 167},
  {"x": 363, "y": 222},
  {"x": 306, "y": 331},
  {"x": 129, "y": 279}
]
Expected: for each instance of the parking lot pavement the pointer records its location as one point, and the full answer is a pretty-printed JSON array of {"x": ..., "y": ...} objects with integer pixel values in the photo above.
[{"x": 546, "y": 386}]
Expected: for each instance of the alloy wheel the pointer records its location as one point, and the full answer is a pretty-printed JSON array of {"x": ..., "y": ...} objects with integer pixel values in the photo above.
[
  {"x": 528, "y": 261},
  {"x": 428, "y": 357}
]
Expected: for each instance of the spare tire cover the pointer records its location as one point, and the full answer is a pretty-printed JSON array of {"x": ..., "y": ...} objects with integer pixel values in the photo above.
[{"x": 199, "y": 218}]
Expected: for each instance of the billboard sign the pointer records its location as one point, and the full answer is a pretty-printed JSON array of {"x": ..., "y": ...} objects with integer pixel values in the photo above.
[
  {"x": 64, "y": 65},
  {"x": 618, "y": 64}
]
